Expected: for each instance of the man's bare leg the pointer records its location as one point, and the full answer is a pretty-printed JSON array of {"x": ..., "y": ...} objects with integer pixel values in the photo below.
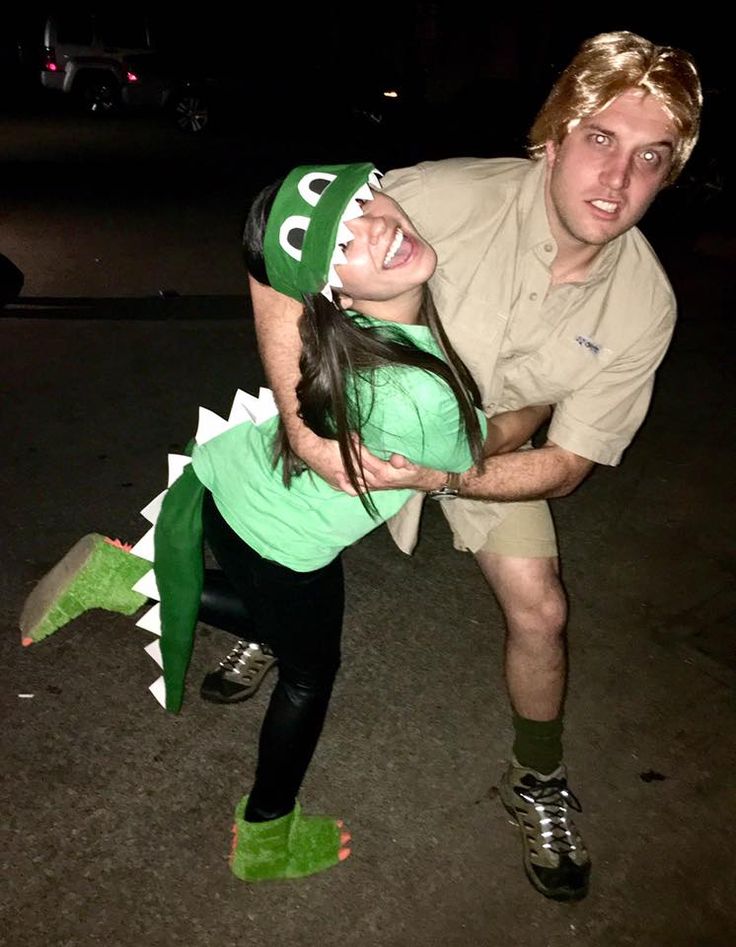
[
  {"x": 534, "y": 605},
  {"x": 534, "y": 788}
]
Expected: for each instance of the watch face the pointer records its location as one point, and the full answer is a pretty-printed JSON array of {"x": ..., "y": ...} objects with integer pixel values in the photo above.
[{"x": 443, "y": 493}]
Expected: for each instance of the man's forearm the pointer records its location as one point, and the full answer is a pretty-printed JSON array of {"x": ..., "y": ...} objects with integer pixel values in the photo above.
[
  {"x": 540, "y": 473},
  {"x": 279, "y": 344}
]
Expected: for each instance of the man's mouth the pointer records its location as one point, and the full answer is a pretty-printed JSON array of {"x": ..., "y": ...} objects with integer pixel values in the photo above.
[
  {"x": 399, "y": 251},
  {"x": 608, "y": 207}
]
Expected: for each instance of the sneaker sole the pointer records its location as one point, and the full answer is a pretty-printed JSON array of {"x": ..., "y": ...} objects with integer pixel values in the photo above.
[{"x": 248, "y": 691}]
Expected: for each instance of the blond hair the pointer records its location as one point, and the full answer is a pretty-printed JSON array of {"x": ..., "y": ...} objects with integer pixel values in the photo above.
[{"x": 610, "y": 64}]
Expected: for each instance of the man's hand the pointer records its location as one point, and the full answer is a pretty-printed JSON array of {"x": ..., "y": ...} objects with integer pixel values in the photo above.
[
  {"x": 322, "y": 455},
  {"x": 398, "y": 473}
]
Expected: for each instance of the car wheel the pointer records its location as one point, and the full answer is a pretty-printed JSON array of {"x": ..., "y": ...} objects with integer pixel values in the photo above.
[
  {"x": 99, "y": 95},
  {"x": 191, "y": 113}
]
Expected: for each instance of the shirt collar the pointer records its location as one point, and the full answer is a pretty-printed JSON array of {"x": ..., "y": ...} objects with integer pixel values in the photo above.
[{"x": 537, "y": 236}]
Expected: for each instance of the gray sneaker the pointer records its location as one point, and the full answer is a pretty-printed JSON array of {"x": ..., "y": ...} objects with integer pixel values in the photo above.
[
  {"x": 239, "y": 674},
  {"x": 555, "y": 858}
]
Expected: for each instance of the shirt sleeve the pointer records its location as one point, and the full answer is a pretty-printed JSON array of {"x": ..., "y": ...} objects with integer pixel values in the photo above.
[
  {"x": 416, "y": 414},
  {"x": 599, "y": 421},
  {"x": 406, "y": 187}
]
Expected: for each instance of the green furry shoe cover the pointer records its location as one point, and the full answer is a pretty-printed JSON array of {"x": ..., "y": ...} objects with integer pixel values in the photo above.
[
  {"x": 293, "y": 846},
  {"x": 97, "y": 572}
]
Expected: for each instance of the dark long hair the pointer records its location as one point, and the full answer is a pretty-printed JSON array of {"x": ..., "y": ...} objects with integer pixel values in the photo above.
[{"x": 338, "y": 350}]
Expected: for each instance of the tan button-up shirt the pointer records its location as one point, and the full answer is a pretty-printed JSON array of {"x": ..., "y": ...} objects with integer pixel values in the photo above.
[{"x": 589, "y": 348}]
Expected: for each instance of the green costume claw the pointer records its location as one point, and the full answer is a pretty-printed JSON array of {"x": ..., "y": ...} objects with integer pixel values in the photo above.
[
  {"x": 97, "y": 572},
  {"x": 293, "y": 846}
]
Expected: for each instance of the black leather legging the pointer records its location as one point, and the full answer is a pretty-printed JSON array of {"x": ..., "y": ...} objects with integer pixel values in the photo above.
[{"x": 299, "y": 615}]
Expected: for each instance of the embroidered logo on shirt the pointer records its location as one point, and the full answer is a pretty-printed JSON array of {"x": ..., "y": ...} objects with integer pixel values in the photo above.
[{"x": 588, "y": 344}]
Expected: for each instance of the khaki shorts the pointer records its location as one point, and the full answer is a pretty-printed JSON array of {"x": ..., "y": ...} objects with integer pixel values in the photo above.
[{"x": 523, "y": 529}]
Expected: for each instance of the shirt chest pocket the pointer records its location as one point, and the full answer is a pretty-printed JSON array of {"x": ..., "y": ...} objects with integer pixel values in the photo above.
[{"x": 561, "y": 366}]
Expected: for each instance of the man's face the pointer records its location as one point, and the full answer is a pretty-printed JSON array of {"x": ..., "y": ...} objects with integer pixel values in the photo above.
[{"x": 608, "y": 170}]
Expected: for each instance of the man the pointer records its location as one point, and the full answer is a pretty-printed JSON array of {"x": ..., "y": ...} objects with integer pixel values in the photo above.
[{"x": 551, "y": 296}]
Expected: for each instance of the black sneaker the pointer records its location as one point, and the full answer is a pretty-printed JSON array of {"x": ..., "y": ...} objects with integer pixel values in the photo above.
[
  {"x": 239, "y": 675},
  {"x": 555, "y": 857}
]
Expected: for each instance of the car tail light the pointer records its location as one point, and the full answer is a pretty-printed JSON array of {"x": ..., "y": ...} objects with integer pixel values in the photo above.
[
  {"x": 131, "y": 77},
  {"x": 49, "y": 59}
]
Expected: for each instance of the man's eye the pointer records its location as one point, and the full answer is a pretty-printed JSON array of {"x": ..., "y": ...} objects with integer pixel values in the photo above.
[
  {"x": 600, "y": 139},
  {"x": 651, "y": 157}
]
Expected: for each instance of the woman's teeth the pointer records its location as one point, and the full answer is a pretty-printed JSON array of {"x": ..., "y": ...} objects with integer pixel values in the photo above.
[{"x": 394, "y": 248}]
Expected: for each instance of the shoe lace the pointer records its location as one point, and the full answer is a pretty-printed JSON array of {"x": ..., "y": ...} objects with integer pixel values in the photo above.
[
  {"x": 239, "y": 655},
  {"x": 551, "y": 799}
]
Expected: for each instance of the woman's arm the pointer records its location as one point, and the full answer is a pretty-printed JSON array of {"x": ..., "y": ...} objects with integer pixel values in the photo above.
[
  {"x": 511, "y": 429},
  {"x": 277, "y": 329}
]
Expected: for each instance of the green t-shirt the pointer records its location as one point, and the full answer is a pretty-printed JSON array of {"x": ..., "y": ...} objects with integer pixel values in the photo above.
[{"x": 305, "y": 526}]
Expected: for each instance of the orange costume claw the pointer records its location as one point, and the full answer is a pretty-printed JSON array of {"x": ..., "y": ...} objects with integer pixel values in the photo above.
[{"x": 119, "y": 544}]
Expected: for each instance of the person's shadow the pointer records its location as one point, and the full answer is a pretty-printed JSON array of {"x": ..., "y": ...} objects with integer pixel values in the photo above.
[{"x": 11, "y": 281}]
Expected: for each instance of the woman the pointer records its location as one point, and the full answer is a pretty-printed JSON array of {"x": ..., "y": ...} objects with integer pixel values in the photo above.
[{"x": 375, "y": 364}]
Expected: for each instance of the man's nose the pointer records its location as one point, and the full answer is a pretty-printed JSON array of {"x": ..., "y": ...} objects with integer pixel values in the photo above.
[{"x": 616, "y": 172}]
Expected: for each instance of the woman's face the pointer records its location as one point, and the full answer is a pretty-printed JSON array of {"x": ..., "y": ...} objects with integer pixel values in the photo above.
[{"x": 387, "y": 262}]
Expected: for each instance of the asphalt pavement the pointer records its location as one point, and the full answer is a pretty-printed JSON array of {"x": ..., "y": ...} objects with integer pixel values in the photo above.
[{"x": 117, "y": 815}]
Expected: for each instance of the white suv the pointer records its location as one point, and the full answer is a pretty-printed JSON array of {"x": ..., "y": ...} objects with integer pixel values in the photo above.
[{"x": 104, "y": 59}]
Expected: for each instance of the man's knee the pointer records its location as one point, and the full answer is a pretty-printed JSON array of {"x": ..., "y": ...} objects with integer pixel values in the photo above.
[{"x": 529, "y": 592}]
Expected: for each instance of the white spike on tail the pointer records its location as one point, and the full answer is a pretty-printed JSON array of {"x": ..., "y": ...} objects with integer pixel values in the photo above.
[
  {"x": 152, "y": 510},
  {"x": 146, "y": 585},
  {"x": 144, "y": 547},
  {"x": 153, "y": 650},
  {"x": 177, "y": 463},
  {"x": 158, "y": 689},
  {"x": 210, "y": 425},
  {"x": 151, "y": 621}
]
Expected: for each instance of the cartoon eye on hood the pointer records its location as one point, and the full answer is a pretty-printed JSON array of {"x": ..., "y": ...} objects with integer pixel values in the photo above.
[
  {"x": 292, "y": 233},
  {"x": 313, "y": 185},
  {"x": 307, "y": 225}
]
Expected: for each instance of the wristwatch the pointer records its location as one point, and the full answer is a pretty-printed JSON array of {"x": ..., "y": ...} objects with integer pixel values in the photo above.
[{"x": 449, "y": 489}]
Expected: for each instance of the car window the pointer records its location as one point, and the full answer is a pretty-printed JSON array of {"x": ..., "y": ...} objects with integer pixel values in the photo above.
[
  {"x": 74, "y": 29},
  {"x": 123, "y": 32}
]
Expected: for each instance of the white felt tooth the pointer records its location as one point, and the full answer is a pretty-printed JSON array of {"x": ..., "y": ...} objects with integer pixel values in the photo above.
[
  {"x": 158, "y": 689},
  {"x": 151, "y": 621},
  {"x": 326, "y": 291},
  {"x": 177, "y": 463},
  {"x": 266, "y": 405},
  {"x": 353, "y": 210},
  {"x": 333, "y": 279},
  {"x": 373, "y": 178},
  {"x": 363, "y": 194},
  {"x": 344, "y": 235},
  {"x": 153, "y": 509},
  {"x": 338, "y": 257},
  {"x": 210, "y": 425},
  {"x": 146, "y": 585},
  {"x": 153, "y": 650},
  {"x": 144, "y": 547}
]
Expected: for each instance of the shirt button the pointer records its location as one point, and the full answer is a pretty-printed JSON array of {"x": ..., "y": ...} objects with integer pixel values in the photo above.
[
  {"x": 548, "y": 248},
  {"x": 533, "y": 296}
]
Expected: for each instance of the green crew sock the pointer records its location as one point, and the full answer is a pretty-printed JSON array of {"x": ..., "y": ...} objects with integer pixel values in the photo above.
[
  {"x": 97, "y": 572},
  {"x": 293, "y": 846},
  {"x": 538, "y": 743}
]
